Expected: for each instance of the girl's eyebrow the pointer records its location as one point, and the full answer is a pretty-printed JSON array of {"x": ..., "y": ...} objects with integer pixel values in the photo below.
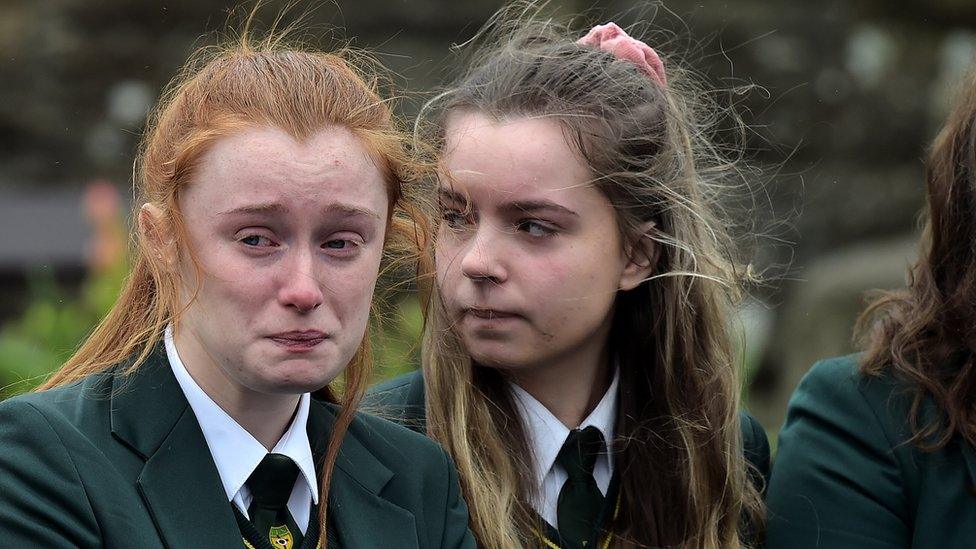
[
  {"x": 518, "y": 206},
  {"x": 531, "y": 206},
  {"x": 274, "y": 208},
  {"x": 269, "y": 208}
]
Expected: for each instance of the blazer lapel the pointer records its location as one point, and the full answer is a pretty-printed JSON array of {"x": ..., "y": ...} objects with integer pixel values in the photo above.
[
  {"x": 363, "y": 518},
  {"x": 179, "y": 482}
]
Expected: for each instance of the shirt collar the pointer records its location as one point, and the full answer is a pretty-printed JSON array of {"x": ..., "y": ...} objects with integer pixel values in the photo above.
[
  {"x": 235, "y": 451},
  {"x": 547, "y": 434}
]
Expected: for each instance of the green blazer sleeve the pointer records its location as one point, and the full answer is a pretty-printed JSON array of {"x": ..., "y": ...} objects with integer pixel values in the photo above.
[
  {"x": 43, "y": 501},
  {"x": 838, "y": 480}
]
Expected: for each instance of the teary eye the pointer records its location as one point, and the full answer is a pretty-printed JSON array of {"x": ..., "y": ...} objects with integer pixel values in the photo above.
[
  {"x": 344, "y": 245},
  {"x": 256, "y": 240}
]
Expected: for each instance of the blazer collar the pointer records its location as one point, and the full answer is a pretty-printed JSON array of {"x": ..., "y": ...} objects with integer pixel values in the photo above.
[
  {"x": 179, "y": 481},
  {"x": 181, "y": 486},
  {"x": 363, "y": 517},
  {"x": 146, "y": 404}
]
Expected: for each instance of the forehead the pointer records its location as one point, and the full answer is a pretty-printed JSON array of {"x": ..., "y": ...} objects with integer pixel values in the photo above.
[
  {"x": 269, "y": 165},
  {"x": 519, "y": 157}
]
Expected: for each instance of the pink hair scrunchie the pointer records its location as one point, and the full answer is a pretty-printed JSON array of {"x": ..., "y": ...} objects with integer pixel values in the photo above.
[{"x": 611, "y": 38}]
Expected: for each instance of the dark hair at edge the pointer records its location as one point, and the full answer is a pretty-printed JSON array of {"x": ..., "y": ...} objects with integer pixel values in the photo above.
[
  {"x": 924, "y": 334},
  {"x": 679, "y": 444}
]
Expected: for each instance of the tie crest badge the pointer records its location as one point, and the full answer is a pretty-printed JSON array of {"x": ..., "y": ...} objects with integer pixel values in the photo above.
[{"x": 281, "y": 537}]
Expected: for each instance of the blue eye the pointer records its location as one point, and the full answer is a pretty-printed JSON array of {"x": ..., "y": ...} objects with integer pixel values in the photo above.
[
  {"x": 255, "y": 240},
  {"x": 535, "y": 228},
  {"x": 337, "y": 244}
]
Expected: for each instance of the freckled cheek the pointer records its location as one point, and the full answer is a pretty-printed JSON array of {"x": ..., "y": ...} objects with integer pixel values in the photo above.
[
  {"x": 228, "y": 282},
  {"x": 352, "y": 291},
  {"x": 563, "y": 287},
  {"x": 219, "y": 260},
  {"x": 550, "y": 275},
  {"x": 548, "y": 288},
  {"x": 352, "y": 310},
  {"x": 245, "y": 303}
]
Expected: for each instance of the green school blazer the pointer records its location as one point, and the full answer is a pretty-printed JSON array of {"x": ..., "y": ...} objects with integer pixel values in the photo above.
[
  {"x": 846, "y": 477},
  {"x": 121, "y": 462},
  {"x": 402, "y": 400}
]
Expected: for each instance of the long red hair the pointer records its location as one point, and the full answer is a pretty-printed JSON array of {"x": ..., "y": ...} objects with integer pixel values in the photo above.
[{"x": 219, "y": 92}]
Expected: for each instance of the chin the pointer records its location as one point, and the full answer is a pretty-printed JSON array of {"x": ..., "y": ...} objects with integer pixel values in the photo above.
[
  {"x": 297, "y": 378},
  {"x": 293, "y": 387},
  {"x": 496, "y": 360}
]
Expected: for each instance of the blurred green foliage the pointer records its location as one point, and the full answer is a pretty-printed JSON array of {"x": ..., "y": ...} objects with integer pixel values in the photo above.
[
  {"x": 396, "y": 340},
  {"x": 53, "y": 325}
]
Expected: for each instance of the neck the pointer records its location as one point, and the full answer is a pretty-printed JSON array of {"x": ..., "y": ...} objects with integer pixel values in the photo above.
[
  {"x": 570, "y": 387},
  {"x": 265, "y": 416},
  {"x": 267, "y": 421}
]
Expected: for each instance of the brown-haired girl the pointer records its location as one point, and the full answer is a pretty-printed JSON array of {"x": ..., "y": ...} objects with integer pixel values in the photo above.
[
  {"x": 577, "y": 362},
  {"x": 877, "y": 449},
  {"x": 199, "y": 412}
]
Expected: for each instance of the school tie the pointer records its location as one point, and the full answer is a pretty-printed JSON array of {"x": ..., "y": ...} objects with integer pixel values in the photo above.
[
  {"x": 271, "y": 484},
  {"x": 580, "y": 500}
]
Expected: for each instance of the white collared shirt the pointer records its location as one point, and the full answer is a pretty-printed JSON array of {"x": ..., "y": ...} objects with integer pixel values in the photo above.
[
  {"x": 546, "y": 436},
  {"x": 236, "y": 453}
]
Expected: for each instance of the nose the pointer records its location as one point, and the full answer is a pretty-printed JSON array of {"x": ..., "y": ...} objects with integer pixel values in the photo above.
[
  {"x": 481, "y": 258},
  {"x": 300, "y": 288}
]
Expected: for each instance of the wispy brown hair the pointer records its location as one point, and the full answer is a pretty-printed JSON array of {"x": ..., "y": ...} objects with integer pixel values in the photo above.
[
  {"x": 925, "y": 333},
  {"x": 679, "y": 451}
]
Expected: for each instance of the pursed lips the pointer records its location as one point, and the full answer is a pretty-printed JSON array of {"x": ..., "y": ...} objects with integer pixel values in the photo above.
[{"x": 299, "y": 338}]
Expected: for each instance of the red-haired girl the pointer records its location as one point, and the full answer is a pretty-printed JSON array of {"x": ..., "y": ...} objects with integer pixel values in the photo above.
[{"x": 199, "y": 412}]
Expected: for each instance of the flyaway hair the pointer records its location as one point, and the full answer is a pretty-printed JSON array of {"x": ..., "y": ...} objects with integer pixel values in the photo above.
[{"x": 679, "y": 449}]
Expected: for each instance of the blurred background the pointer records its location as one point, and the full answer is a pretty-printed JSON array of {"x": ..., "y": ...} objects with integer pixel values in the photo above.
[{"x": 842, "y": 96}]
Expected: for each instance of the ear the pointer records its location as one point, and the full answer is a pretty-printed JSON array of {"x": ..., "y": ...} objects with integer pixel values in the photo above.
[
  {"x": 642, "y": 255},
  {"x": 157, "y": 233}
]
